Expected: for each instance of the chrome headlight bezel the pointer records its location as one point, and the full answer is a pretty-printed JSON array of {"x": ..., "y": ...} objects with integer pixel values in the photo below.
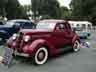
[{"x": 26, "y": 38}]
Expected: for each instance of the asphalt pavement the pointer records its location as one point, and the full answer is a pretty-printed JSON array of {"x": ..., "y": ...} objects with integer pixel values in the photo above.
[{"x": 82, "y": 61}]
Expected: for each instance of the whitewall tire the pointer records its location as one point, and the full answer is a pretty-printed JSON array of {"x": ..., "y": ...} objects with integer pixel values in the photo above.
[
  {"x": 76, "y": 46},
  {"x": 41, "y": 56}
]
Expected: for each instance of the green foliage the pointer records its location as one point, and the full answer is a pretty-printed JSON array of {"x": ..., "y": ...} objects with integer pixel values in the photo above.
[
  {"x": 27, "y": 7},
  {"x": 11, "y": 9},
  {"x": 2, "y": 5},
  {"x": 65, "y": 12},
  {"x": 85, "y": 9},
  {"x": 49, "y": 8},
  {"x": 14, "y": 10}
]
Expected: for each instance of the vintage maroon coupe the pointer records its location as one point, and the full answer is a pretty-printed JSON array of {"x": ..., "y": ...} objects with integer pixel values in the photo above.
[{"x": 50, "y": 38}]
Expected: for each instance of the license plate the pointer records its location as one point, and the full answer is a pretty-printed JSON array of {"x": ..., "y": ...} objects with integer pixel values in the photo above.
[{"x": 7, "y": 58}]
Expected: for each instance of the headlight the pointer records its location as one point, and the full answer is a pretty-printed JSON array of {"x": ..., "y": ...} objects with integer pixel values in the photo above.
[
  {"x": 14, "y": 36},
  {"x": 26, "y": 38}
]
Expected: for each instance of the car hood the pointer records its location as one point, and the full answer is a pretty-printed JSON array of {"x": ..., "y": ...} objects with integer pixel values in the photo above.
[{"x": 26, "y": 31}]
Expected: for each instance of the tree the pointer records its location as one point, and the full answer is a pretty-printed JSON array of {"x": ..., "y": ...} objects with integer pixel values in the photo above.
[
  {"x": 14, "y": 10},
  {"x": 84, "y": 9},
  {"x": 49, "y": 8},
  {"x": 65, "y": 12},
  {"x": 27, "y": 7},
  {"x": 2, "y": 7}
]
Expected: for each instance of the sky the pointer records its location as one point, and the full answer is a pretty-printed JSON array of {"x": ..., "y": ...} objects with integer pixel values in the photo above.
[{"x": 62, "y": 2}]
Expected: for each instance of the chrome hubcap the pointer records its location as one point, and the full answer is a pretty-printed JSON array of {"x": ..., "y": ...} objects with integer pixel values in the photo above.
[{"x": 41, "y": 56}]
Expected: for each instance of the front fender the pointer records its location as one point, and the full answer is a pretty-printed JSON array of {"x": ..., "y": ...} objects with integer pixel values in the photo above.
[
  {"x": 37, "y": 43},
  {"x": 32, "y": 48}
]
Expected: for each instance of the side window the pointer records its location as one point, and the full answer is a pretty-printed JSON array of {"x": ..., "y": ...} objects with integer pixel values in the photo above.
[
  {"x": 78, "y": 25},
  {"x": 60, "y": 27},
  {"x": 72, "y": 24},
  {"x": 27, "y": 25},
  {"x": 89, "y": 26},
  {"x": 33, "y": 25},
  {"x": 83, "y": 26}
]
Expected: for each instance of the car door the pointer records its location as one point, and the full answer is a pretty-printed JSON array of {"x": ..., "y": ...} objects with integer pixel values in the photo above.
[
  {"x": 69, "y": 33},
  {"x": 62, "y": 35}
]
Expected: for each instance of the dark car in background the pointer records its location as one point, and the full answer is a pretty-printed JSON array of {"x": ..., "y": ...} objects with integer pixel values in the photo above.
[{"x": 13, "y": 26}]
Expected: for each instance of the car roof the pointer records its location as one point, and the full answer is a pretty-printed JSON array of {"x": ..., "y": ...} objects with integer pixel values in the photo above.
[
  {"x": 20, "y": 20},
  {"x": 53, "y": 20}
]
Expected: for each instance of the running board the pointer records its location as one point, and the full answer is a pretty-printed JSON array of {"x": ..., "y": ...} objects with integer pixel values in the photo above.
[{"x": 65, "y": 49}]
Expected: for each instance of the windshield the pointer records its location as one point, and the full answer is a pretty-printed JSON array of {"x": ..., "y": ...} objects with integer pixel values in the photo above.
[
  {"x": 9, "y": 24},
  {"x": 46, "y": 25}
]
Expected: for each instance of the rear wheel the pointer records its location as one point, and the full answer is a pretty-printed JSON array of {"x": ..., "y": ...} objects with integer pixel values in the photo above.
[
  {"x": 41, "y": 56},
  {"x": 76, "y": 46}
]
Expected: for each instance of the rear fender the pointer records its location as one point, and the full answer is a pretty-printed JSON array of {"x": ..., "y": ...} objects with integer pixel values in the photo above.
[{"x": 75, "y": 38}]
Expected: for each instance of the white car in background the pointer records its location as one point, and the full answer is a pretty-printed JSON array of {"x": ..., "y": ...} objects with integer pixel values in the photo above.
[{"x": 83, "y": 28}]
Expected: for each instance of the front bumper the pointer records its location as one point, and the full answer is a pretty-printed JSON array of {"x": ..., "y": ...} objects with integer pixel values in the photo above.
[
  {"x": 21, "y": 54},
  {"x": 23, "y": 50}
]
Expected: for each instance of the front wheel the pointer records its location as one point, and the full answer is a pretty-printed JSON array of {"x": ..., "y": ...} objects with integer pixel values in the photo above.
[
  {"x": 76, "y": 46},
  {"x": 41, "y": 56}
]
